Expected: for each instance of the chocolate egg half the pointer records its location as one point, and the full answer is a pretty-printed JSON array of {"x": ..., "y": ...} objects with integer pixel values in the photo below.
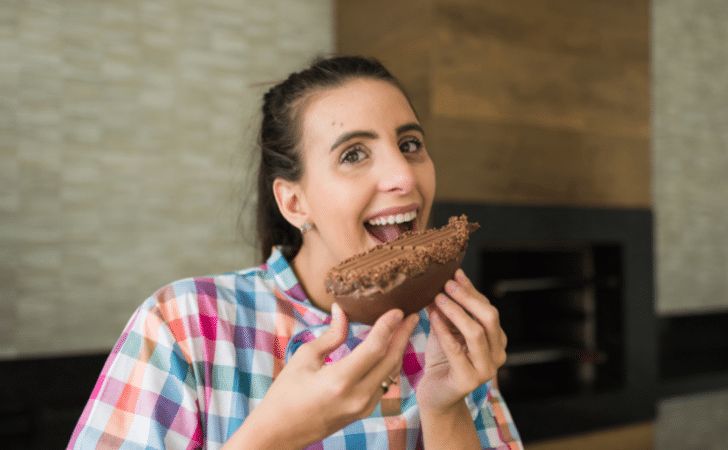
[{"x": 406, "y": 273}]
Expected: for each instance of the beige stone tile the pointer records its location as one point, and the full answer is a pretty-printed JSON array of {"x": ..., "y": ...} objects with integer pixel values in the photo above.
[
  {"x": 35, "y": 312},
  {"x": 41, "y": 258},
  {"x": 38, "y": 227},
  {"x": 126, "y": 118},
  {"x": 690, "y": 160},
  {"x": 9, "y": 180}
]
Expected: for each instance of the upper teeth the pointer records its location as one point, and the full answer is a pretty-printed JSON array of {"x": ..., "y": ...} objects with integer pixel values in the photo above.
[{"x": 396, "y": 218}]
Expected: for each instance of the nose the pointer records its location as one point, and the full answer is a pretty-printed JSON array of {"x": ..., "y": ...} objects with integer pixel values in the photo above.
[{"x": 397, "y": 174}]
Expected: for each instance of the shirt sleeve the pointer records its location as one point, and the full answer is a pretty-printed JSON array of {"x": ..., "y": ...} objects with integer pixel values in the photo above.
[
  {"x": 493, "y": 421},
  {"x": 145, "y": 397}
]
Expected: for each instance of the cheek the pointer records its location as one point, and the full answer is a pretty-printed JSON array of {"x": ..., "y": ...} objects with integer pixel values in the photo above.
[
  {"x": 427, "y": 178},
  {"x": 341, "y": 201},
  {"x": 427, "y": 189}
]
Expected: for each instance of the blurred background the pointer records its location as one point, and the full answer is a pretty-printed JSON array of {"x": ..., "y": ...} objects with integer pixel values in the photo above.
[{"x": 588, "y": 138}]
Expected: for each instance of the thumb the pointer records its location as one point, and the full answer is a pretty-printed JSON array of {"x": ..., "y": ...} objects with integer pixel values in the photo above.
[{"x": 334, "y": 336}]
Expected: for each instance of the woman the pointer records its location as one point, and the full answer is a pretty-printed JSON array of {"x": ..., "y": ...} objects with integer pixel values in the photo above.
[{"x": 264, "y": 358}]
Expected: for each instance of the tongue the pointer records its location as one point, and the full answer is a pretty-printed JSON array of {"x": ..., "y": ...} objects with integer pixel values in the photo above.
[{"x": 385, "y": 233}]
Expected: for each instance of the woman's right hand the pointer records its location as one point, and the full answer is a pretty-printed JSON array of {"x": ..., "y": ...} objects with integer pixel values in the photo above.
[{"x": 310, "y": 400}]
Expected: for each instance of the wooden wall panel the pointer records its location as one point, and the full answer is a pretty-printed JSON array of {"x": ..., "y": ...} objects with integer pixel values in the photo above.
[
  {"x": 564, "y": 64},
  {"x": 397, "y": 33},
  {"x": 525, "y": 164},
  {"x": 601, "y": 28},
  {"x": 500, "y": 82}
]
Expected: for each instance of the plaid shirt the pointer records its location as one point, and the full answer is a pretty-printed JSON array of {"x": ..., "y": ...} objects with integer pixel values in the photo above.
[{"x": 201, "y": 353}]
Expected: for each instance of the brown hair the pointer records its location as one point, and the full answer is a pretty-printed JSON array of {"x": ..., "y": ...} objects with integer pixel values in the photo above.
[{"x": 280, "y": 133}]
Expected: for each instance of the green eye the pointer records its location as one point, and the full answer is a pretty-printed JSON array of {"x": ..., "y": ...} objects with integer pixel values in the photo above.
[
  {"x": 410, "y": 146},
  {"x": 353, "y": 155}
]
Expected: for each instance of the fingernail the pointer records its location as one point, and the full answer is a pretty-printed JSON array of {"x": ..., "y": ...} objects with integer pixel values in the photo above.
[
  {"x": 460, "y": 275},
  {"x": 396, "y": 317},
  {"x": 441, "y": 300},
  {"x": 335, "y": 309},
  {"x": 452, "y": 286}
]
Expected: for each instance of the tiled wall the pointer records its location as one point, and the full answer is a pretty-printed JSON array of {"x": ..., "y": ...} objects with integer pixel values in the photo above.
[
  {"x": 690, "y": 145},
  {"x": 696, "y": 422},
  {"x": 125, "y": 134}
]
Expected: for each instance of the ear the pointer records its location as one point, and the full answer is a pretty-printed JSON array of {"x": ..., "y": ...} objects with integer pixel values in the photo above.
[{"x": 291, "y": 201}]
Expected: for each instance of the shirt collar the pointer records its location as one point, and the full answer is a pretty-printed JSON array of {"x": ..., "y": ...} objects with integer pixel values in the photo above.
[
  {"x": 288, "y": 287},
  {"x": 278, "y": 267}
]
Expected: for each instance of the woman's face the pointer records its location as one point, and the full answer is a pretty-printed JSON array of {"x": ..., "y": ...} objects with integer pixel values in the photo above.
[{"x": 367, "y": 176}]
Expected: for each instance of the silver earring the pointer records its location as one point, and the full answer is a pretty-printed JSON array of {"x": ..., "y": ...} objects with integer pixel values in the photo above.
[{"x": 305, "y": 227}]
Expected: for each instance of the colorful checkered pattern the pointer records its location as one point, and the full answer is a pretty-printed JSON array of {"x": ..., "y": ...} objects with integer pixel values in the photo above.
[{"x": 201, "y": 353}]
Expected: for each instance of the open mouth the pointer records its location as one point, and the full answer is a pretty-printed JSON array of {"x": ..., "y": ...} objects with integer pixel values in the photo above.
[{"x": 388, "y": 228}]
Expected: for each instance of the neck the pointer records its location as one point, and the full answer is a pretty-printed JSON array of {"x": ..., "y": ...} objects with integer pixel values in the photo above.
[{"x": 311, "y": 274}]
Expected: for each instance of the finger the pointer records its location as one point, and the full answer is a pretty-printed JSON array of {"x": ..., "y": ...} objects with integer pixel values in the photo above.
[
  {"x": 331, "y": 339},
  {"x": 463, "y": 288},
  {"x": 462, "y": 291},
  {"x": 476, "y": 337},
  {"x": 391, "y": 363},
  {"x": 374, "y": 346},
  {"x": 463, "y": 279},
  {"x": 501, "y": 359},
  {"x": 450, "y": 345}
]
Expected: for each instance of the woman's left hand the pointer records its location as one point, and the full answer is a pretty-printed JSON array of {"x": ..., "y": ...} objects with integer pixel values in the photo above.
[{"x": 465, "y": 348}]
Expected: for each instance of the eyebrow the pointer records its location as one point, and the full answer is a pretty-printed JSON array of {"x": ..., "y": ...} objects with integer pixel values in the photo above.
[
  {"x": 410, "y": 127},
  {"x": 351, "y": 135},
  {"x": 372, "y": 135}
]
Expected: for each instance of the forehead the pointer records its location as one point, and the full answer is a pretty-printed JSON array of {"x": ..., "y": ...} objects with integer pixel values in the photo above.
[{"x": 364, "y": 104}]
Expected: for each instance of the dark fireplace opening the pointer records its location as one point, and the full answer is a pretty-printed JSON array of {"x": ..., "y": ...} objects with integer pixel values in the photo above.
[
  {"x": 574, "y": 288},
  {"x": 560, "y": 306}
]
